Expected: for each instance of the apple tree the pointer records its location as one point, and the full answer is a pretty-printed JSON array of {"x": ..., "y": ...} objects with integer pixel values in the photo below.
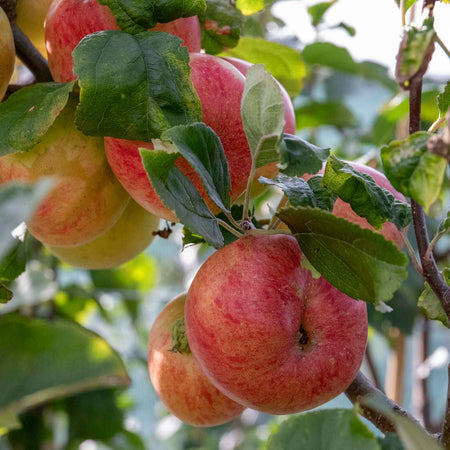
[{"x": 292, "y": 201}]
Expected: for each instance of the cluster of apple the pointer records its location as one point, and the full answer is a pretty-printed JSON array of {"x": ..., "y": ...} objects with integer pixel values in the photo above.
[
  {"x": 256, "y": 329},
  {"x": 103, "y": 195}
]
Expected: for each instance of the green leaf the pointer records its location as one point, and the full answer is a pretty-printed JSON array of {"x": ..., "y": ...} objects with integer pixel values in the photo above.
[
  {"x": 349, "y": 29},
  {"x": 201, "y": 146},
  {"x": 336, "y": 429},
  {"x": 408, "y": 3},
  {"x": 412, "y": 435},
  {"x": 329, "y": 55},
  {"x": 13, "y": 264},
  {"x": 249, "y": 7},
  {"x": 430, "y": 304},
  {"x": 303, "y": 193},
  {"x": 444, "y": 100},
  {"x": 9, "y": 422},
  {"x": 134, "y": 86},
  {"x": 179, "y": 194},
  {"x": 318, "y": 10},
  {"x": 415, "y": 51},
  {"x": 391, "y": 441},
  {"x": 43, "y": 360},
  {"x": 364, "y": 195},
  {"x": 298, "y": 156},
  {"x": 284, "y": 63},
  {"x": 414, "y": 171},
  {"x": 17, "y": 204},
  {"x": 263, "y": 115},
  {"x": 221, "y": 26},
  {"x": 135, "y": 16},
  {"x": 359, "y": 262},
  {"x": 5, "y": 294},
  {"x": 314, "y": 114},
  {"x": 28, "y": 113}
]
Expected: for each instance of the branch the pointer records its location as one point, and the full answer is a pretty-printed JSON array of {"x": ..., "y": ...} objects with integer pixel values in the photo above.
[
  {"x": 30, "y": 56},
  {"x": 362, "y": 387},
  {"x": 424, "y": 381}
]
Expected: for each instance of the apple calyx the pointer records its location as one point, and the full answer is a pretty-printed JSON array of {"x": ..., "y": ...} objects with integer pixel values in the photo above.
[
  {"x": 304, "y": 340},
  {"x": 179, "y": 340}
]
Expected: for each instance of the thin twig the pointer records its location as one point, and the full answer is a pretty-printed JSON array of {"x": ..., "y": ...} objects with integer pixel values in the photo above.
[
  {"x": 403, "y": 12},
  {"x": 362, "y": 387},
  {"x": 30, "y": 56},
  {"x": 411, "y": 252},
  {"x": 442, "y": 45},
  {"x": 445, "y": 435},
  {"x": 373, "y": 370},
  {"x": 423, "y": 382}
]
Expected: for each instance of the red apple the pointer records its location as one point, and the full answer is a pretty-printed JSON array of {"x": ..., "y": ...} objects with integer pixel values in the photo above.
[
  {"x": 220, "y": 87},
  {"x": 87, "y": 199},
  {"x": 128, "y": 237},
  {"x": 178, "y": 379},
  {"x": 344, "y": 210},
  {"x": 269, "y": 335},
  {"x": 242, "y": 66},
  {"x": 69, "y": 21}
]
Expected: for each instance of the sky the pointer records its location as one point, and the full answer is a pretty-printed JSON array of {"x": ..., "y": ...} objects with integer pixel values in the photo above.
[{"x": 378, "y": 29}]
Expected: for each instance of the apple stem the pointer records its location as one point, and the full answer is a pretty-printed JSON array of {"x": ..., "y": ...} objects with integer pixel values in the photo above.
[
  {"x": 230, "y": 228},
  {"x": 30, "y": 55}
]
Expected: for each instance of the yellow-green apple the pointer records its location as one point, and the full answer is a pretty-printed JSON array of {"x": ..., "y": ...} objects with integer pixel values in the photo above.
[
  {"x": 128, "y": 237},
  {"x": 176, "y": 376},
  {"x": 87, "y": 199},
  {"x": 219, "y": 86},
  {"x": 30, "y": 18},
  {"x": 69, "y": 21},
  {"x": 7, "y": 53},
  {"x": 268, "y": 334}
]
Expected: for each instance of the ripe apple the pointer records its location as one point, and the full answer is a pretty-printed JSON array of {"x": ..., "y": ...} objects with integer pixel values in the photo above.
[
  {"x": 178, "y": 379},
  {"x": 7, "y": 53},
  {"x": 128, "y": 237},
  {"x": 216, "y": 81},
  {"x": 69, "y": 21},
  {"x": 87, "y": 199},
  {"x": 344, "y": 210},
  {"x": 269, "y": 335},
  {"x": 30, "y": 18}
]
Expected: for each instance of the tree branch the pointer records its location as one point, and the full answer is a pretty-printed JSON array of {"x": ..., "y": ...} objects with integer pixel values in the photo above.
[
  {"x": 445, "y": 435},
  {"x": 362, "y": 387},
  {"x": 30, "y": 56}
]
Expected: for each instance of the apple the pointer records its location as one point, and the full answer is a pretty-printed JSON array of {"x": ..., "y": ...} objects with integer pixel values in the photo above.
[
  {"x": 269, "y": 335},
  {"x": 30, "y": 18},
  {"x": 69, "y": 21},
  {"x": 87, "y": 199},
  {"x": 290, "y": 126},
  {"x": 220, "y": 87},
  {"x": 178, "y": 379},
  {"x": 343, "y": 209},
  {"x": 127, "y": 238},
  {"x": 7, "y": 52}
]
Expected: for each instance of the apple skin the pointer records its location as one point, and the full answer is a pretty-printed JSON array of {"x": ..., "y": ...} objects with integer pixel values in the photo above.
[
  {"x": 7, "y": 53},
  {"x": 242, "y": 66},
  {"x": 178, "y": 379},
  {"x": 87, "y": 199},
  {"x": 213, "y": 78},
  {"x": 126, "y": 239},
  {"x": 343, "y": 209},
  {"x": 244, "y": 311},
  {"x": 30, "y": 18},
  {"x": 69, "y": 21}
]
